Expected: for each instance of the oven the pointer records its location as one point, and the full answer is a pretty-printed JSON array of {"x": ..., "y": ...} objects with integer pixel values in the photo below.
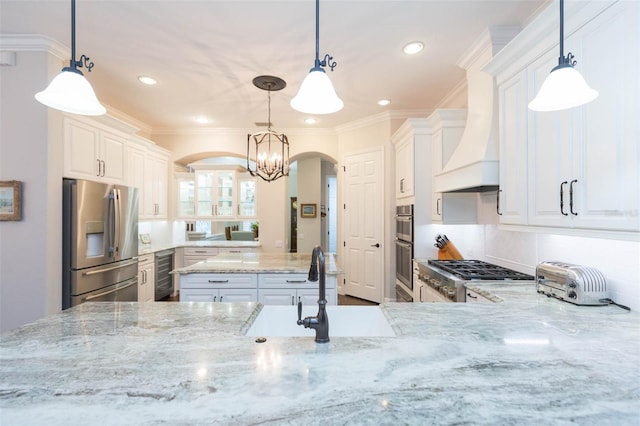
[
  {"x": 446, "y": 280},
  {"x": 404, "y": 253}
]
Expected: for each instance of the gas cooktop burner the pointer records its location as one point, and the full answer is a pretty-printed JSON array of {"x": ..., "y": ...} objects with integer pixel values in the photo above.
[{"x": 478, "y": 270}]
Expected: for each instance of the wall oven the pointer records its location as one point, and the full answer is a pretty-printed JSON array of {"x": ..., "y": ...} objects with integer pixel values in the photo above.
[{"x": 404, "y": 253}]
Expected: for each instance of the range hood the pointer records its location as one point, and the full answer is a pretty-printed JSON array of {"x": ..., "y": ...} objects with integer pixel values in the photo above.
[{"x": 473, "y": 166}]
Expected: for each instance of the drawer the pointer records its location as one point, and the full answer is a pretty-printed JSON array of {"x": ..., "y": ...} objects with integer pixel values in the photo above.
[
  {"x": 218, "y": 281},
  {"x": 146, "y": 259},
  {"x": 235, "y": 250},
  {"x": 200, "y": 251},
  {"x": 285, "y": 281}
]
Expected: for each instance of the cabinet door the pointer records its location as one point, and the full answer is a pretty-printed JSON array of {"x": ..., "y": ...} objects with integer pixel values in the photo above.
[
  {"x": 309, "y": 296},
  {"x": 185, "y": 191},
  {"x": 198, "y": 295},
  {"x": 551, "y": 137},
  {"x": 404, "y": 169},
  {"x": 204, "y": 194},
  {"x": 512, "y": 196},
  {"x": 112, "y": 155},
  {"x": 238, "y": 295},
  {"x": 278, "y": 296},
  {"x": 247, "y": 200},
  {"x": 136, "y": 177},
  {"x": 606, "y": 163},
  {"x": 81, "y": 147},
  {"x": 159, "y": 185},
  {"x": 224, "y": 194}
]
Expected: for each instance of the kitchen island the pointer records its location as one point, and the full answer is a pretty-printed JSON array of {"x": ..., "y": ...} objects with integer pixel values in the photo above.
[
  {"x": 526, "y": 360},
  {"x": 270, "y": 278}
]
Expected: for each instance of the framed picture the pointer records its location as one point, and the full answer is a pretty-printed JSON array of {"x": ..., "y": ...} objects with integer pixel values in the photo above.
[
  {"x": 10, "y": 200},
  {"x": 307, "y": 210}
]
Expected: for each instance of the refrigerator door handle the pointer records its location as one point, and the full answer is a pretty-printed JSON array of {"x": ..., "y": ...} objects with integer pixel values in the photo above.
[
  {"x": 111, "y": 213},
  {"x": 111, "y": 268},
  {"x": 95, "y": 296},
  {"x": 117, "y": 221}
]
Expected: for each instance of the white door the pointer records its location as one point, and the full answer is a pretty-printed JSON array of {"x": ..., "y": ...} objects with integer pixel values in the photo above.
[{"x": 364, "y": 225}]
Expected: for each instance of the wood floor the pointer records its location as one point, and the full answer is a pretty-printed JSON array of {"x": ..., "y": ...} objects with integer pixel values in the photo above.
[{"x": 342, "y": 300}]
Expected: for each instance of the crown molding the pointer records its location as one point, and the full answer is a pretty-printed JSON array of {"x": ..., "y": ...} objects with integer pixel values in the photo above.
[{"x": 34, "y": 43}]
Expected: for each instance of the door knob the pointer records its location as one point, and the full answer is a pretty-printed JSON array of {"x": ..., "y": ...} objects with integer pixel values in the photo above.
[{"x": 375, "y": 245}]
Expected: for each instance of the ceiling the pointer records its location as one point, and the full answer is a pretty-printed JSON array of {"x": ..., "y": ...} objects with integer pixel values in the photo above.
[{"x": 204, "y": 54}]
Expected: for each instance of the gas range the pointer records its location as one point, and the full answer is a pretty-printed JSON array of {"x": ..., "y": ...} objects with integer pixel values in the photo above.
[{"x": 445, "y": 280}]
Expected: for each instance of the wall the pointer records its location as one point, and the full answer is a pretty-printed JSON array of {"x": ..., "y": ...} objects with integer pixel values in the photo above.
[
  {"x": 309, "y": 192},
  {"x": 31, "y": 152}
]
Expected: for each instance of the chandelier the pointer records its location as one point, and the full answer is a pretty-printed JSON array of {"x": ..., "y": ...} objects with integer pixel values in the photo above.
[{"x": 268, "y": 150}]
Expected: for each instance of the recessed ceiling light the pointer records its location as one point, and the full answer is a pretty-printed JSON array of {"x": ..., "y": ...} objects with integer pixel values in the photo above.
[
  {"x": 201, "y": 120},
  {"x": 384, "y": 102},
  {"x": 310, "y": 120},
  {"x": 145, "y": 79},
  {"x": 413, "y": 47}
]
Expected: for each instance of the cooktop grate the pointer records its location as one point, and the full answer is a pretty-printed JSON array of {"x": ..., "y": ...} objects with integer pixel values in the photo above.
[{"x": 479, "y": 270}]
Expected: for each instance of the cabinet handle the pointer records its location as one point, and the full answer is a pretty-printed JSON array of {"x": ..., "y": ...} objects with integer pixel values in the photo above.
[
  {"x": 498, "y": 203},
  {"x": 438, "y": 207},
  {"x": 420, "y": 299},
  {"x": 471, "y": 296},
  {"x": 402, "y": 186},
  {"x": 218, "y": 281},
  {"x": 571, "y": 197},
  {"x": 562, "y": 198},
  {"x": 215, "y": 298},
  {"x": 293, "y": 300},
  {"x": 221, "y": 298},
  {"x": 104, "y": 168},
  {"x": 296, "y": 281},
  {"x": 99, "y": 168},
  {"x": 213, "y": 212}
]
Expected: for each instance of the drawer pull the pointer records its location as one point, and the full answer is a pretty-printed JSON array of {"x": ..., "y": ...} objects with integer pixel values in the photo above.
[
  {"x": 218, "y": 281},
  {"x": 297, "y": 281}
]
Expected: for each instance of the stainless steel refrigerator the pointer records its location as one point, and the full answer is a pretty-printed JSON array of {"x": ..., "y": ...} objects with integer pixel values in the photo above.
[{"x": 99, "y": 243}]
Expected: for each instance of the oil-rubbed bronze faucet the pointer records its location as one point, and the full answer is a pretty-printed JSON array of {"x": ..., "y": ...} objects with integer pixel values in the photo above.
[{"x": 320, "y": 323}]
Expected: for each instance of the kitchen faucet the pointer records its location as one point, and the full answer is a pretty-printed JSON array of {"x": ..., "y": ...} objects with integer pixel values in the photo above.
[{"x": 320, "y": 323}]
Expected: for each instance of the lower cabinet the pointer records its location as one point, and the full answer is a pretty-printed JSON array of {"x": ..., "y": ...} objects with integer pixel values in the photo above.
[
  {"x": 146, "y": 278},
  {"x": 289, "y": 289},
  {"x": 219, "y": 288},
  {"x": 219, "y": 295},
  {"x": 267, "y": 288}
]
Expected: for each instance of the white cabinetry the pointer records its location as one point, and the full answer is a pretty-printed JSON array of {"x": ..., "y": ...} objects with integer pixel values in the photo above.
[
  {"x": 581, "y": 166},
  {"x": 146, "y": 278},
  {"x": 149, "y": 171},
  {"x": 93, "y": 151},
  {"x": 289, "y": 289},
  {"x": 218, "y": 288},
  {"x": 405, "y": 167},
  {"x": 198, "y": 254}
]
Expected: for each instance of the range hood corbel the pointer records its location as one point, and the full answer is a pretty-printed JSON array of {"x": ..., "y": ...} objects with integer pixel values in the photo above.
[{"x": 473, "y": 166}]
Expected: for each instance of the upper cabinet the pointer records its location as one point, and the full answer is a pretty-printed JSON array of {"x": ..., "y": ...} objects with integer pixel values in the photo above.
[
  {"x": 577, "y": 168},
  {"x": 405, "y": 155},
  {"x": 148, "y": 170},
  {"x": 94, "y": 151},
  {"x": 216, "y": 194}
]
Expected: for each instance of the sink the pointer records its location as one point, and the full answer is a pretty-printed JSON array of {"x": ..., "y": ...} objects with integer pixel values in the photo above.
[{"x": 344, "y": 321}]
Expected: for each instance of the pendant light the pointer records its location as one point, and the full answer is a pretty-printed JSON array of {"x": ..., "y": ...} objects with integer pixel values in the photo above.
[
  {"x": 316, "y": 94},
  {"x": 70, "y": 91},
  {"x": 268, "y": 150},
  {"x": 564, "y": 88}
]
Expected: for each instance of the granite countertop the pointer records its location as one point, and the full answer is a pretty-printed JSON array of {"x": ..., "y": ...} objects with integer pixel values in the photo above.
[
  {"x": 529, "y": 360},
  {"x": 258, "y": 263},
  {"x": 152, "y": 248}
]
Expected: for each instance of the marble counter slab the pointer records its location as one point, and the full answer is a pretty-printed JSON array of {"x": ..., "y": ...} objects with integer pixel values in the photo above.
[
  {"x": 525, "y": 361},
  {"x": 258, "y": 263},
  {"x": 152, "y": 248}
]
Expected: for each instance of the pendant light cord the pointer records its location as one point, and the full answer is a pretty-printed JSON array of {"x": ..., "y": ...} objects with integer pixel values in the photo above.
[
  {"x": 317, "y": 64},
  {"x": 73, "y": 34},
  {"x": 561, "y": 31}
]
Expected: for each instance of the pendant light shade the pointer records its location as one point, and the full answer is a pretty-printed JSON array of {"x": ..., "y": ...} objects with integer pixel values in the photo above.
[
  {"x": 565, "y": 87},
  {"x": 316, "y": 94},
  {"x": 70, "y": 91}
]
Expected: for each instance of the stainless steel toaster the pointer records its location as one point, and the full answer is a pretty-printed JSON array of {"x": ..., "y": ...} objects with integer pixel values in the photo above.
[{"x": 576, "y": 284}]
